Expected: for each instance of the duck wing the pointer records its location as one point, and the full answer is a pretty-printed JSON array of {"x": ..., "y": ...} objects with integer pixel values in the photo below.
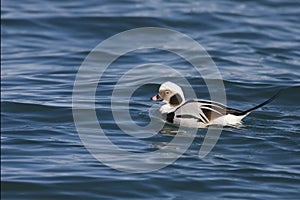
[{"x": 203, "y": 111}]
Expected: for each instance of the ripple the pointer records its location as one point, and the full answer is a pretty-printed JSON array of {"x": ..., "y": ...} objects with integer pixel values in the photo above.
[{"x": 255, "y": 46}]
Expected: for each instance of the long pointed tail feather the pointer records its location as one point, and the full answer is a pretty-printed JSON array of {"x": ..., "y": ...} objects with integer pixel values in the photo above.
[{"x": 261, "y": 105}]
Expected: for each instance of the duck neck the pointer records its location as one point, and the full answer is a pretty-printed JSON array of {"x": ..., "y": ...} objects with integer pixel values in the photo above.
[{"x": 167, "y": 108}]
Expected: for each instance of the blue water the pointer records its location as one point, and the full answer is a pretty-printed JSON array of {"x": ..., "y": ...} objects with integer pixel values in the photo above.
[{"x": 255, "y": 45}]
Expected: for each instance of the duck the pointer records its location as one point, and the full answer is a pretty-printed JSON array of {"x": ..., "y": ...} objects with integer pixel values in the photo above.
[{"x": 198, "y": 113}]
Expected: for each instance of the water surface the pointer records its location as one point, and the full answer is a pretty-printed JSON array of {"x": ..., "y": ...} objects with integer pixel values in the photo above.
[{"x": 256, "y": 46}]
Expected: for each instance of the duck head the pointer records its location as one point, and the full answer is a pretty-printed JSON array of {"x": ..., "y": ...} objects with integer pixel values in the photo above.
[{"x": 170, "y": 93}]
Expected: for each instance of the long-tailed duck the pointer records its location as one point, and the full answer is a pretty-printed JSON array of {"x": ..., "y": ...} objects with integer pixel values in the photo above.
[{"x": 197, "y": 113}]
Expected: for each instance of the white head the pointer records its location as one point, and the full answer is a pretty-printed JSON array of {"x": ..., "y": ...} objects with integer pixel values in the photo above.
[{"x": 170, "y": 93}]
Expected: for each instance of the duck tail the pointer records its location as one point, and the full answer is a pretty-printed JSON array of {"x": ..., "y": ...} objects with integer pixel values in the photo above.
[{"x": 246, "y": 112}]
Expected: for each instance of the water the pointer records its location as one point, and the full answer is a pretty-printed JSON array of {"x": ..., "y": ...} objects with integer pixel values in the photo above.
[{"x": 256, "y": 46}]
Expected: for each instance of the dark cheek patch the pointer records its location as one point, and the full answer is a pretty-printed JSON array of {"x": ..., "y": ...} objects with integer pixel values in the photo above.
[{"x": 175, "y": 100}]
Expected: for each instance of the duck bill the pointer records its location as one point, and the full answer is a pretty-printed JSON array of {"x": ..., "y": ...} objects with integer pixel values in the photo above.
[{"x": 156, "y": 98}]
